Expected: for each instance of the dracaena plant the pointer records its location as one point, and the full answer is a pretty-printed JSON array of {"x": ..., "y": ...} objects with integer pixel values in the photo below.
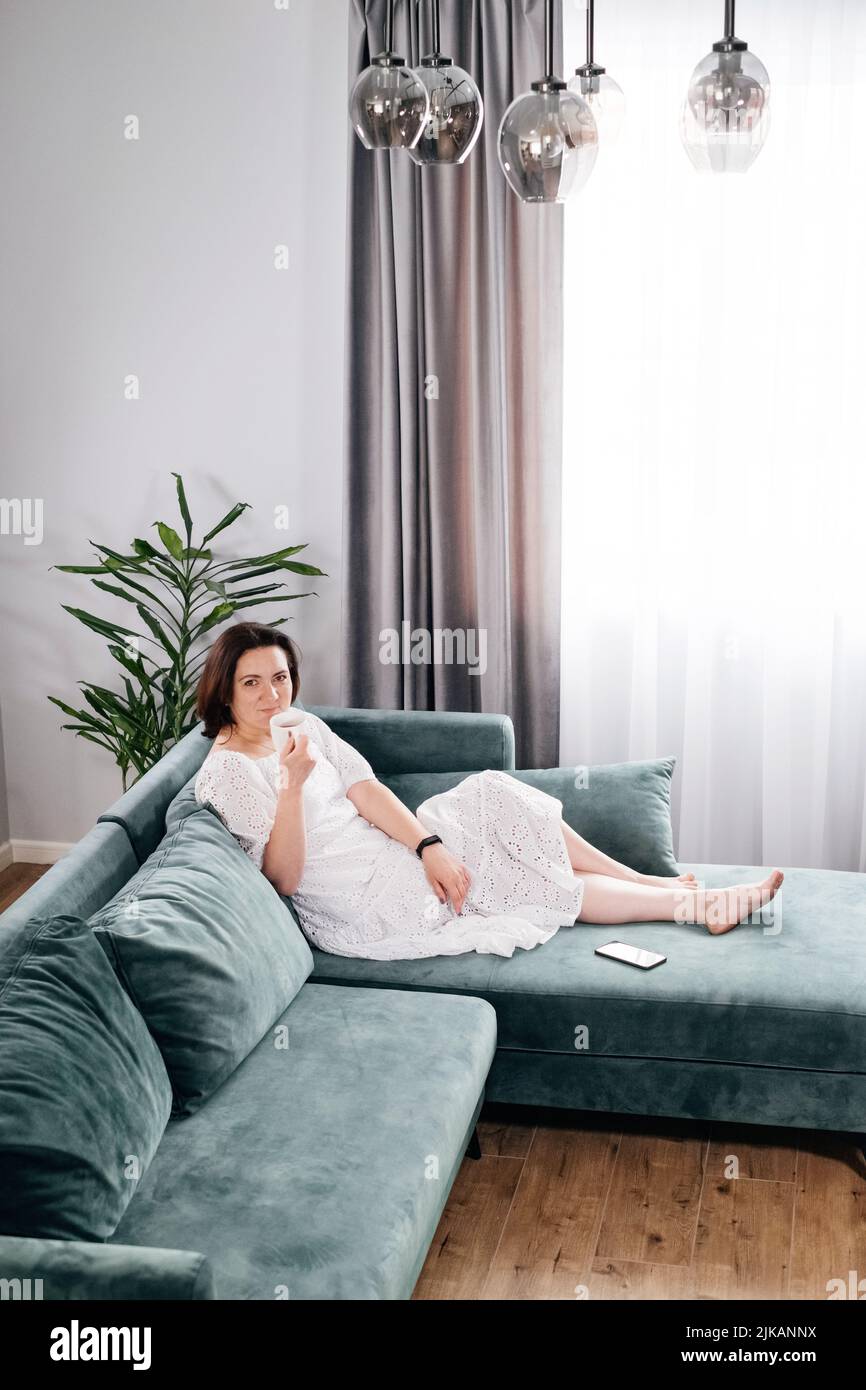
[{"x": 180, "y": 593}]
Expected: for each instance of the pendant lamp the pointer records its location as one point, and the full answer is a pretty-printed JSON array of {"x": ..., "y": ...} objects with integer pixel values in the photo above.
[
  {"x": 604, "y": 96},
  {"x": 389, "y": 105},
  {"x": 456, "y": 108},
  {"x": 726, "y": 113},
  {"x": 548, "y": 138}
]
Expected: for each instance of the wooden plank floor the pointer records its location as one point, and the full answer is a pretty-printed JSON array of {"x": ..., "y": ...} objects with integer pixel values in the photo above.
[
  {"x": 565, "y": 1205},
  {"x": 15, "y": 879}
]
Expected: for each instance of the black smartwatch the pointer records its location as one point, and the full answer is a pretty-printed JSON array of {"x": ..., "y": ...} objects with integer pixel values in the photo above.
[{"x": 431, "y": 840}]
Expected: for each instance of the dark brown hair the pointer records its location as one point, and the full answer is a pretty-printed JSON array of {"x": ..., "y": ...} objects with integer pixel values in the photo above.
[{"x": 217, "y": 681}]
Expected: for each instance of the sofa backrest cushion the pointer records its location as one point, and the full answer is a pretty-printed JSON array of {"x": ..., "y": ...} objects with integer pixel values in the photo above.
[
  {"x": 141, "y": 810},
  {"x": 84, "y": 1094},
  {"x": 623, "y": 809},
  {"x": 398, "y": 742},
  {"x": 208, "y": 952},
  {"x": 185, "y": 804}
]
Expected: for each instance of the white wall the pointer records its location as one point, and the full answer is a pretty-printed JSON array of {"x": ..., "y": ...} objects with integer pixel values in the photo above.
[{"x": 156, "y": 257}]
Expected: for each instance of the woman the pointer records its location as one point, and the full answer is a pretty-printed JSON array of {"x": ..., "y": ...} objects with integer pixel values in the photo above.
[{"x": 324, "y": 831}]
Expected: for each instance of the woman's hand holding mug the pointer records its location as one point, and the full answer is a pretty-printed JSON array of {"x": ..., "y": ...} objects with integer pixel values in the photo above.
[{"x": 296, "y": 763}]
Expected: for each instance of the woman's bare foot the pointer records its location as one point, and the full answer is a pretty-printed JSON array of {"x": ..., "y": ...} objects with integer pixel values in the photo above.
[
  {"x": 720, "y": 909},
  {"x": 660, "y": 881}
]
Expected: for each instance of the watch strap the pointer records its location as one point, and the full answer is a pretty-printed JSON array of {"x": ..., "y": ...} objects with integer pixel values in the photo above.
[{"x": 430, "y": 840}]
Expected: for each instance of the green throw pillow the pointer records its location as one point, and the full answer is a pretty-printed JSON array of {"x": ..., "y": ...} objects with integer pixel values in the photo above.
[
  {"x": 184, "y": 804},
  {"x": 84, "y": 1095},
  {"x": 204, "y": 945},
  {"x": 623, "y": 809}
]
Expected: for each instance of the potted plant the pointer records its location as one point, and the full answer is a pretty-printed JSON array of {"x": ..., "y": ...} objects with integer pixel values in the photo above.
[{"x": 180, "y": 592}]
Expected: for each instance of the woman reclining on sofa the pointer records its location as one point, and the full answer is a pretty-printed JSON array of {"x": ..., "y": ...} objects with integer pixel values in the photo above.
[{"x": 366, "y": 877}]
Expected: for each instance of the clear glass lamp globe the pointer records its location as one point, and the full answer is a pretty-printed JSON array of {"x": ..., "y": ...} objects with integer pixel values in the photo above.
[
  {"x": 726, "y": 113},
  {"x": 388, "y": 106},
  {"x": 455, "y": 117},
  {"x": 606, "y": 101},
  {"x": 548, "y": 143}
]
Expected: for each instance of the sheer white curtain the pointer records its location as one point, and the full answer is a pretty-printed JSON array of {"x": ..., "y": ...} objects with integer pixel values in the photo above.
[{"x": 714, "y": 584}]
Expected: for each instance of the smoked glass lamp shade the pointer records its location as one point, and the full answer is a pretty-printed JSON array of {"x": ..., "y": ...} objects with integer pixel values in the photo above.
[
  {"x": 605, "y": 99},
  {"x": 726, "y": 113},
  {"x": 388, "y": 105},
  {"x": 548, "y": 142},
  {"x": 455, "y": 116}
]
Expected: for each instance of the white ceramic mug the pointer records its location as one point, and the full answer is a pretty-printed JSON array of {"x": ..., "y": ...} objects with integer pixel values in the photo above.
[{"x": 281, "y": 724}]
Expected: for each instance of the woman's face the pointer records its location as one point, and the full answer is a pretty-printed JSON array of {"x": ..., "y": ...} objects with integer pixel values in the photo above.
[{"x": 262, "y": 686}]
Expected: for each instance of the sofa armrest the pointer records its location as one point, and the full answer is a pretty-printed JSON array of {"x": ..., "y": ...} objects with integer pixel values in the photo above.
[
  {"x": 33, "y": 1268},
  {"x": 414, "y": 740}
]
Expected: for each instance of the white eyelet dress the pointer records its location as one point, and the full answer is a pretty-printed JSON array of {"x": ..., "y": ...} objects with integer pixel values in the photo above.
[{"x": 363, "y": 893}]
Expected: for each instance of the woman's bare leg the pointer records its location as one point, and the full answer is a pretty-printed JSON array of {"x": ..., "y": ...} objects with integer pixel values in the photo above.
[
  {"x": 585, "y": 857},
  {"x": 608, "y": 900}
]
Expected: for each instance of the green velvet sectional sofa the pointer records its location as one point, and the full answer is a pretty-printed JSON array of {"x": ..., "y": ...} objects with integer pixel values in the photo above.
[{"x": 319, "y": 1169}]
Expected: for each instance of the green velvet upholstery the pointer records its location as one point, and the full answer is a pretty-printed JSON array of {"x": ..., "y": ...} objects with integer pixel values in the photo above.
[
  {"x": 94, "y": 869},
  {"x": 321, "y": 1167},
  {"x": 141, "y": 809},
  {"x": 623, "y": 809},
  {"x": 395, "y": 741},
  {"x": 184, "y": 804},
  {"x": 75, "y": 1269},
  {"x": 208, "y": 953},
  {"x": 776, "y": 1096},
  {"x": 84, "y": 1095},
  {"x": 761, "y": 1024}
]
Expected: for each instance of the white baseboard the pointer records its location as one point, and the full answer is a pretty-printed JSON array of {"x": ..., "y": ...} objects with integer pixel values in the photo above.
[{"x": 32, "y": 852}]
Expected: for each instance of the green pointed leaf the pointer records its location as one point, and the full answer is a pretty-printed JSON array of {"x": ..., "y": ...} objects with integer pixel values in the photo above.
[
  {"x": 244, "y": 576},
  {"x": 145, "y": 549},
  {"x": 271, "y": 556},
  {"x": 274, "y": 568},
  {"x": 170, "y": 539},
  {"x": 157, "y": 563},
  {"x": 251, "y": 603},
  {"x": 216, "y": 615},
  {"x": 112, "y": 630},
  {"x": 227, "y": 520},
  {"x": 112, "y": 589},
  {"x": 157, "y": 630},
  {"x": 297, "y": 567},
  {"x": 260, "y": 589},
  {"x": 91, "y": 738},
  {"x": 126, "y": 560},
  {"x": 79, "y": 569},
  {"x": 184, "y": 509},
  {"x": 81, "y": 714}
]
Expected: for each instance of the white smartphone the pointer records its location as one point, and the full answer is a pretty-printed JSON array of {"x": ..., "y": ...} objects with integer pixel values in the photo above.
[{"x": 630, "y": 955}]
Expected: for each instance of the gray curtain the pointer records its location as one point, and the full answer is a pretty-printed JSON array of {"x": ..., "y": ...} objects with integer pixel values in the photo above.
[{"x": 452, "y": 503}]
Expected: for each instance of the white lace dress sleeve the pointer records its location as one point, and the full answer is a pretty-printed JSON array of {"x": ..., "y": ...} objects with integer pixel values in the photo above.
[
  {"x": 242, "y": 797},
  {"x": 351, "y": 766}
]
